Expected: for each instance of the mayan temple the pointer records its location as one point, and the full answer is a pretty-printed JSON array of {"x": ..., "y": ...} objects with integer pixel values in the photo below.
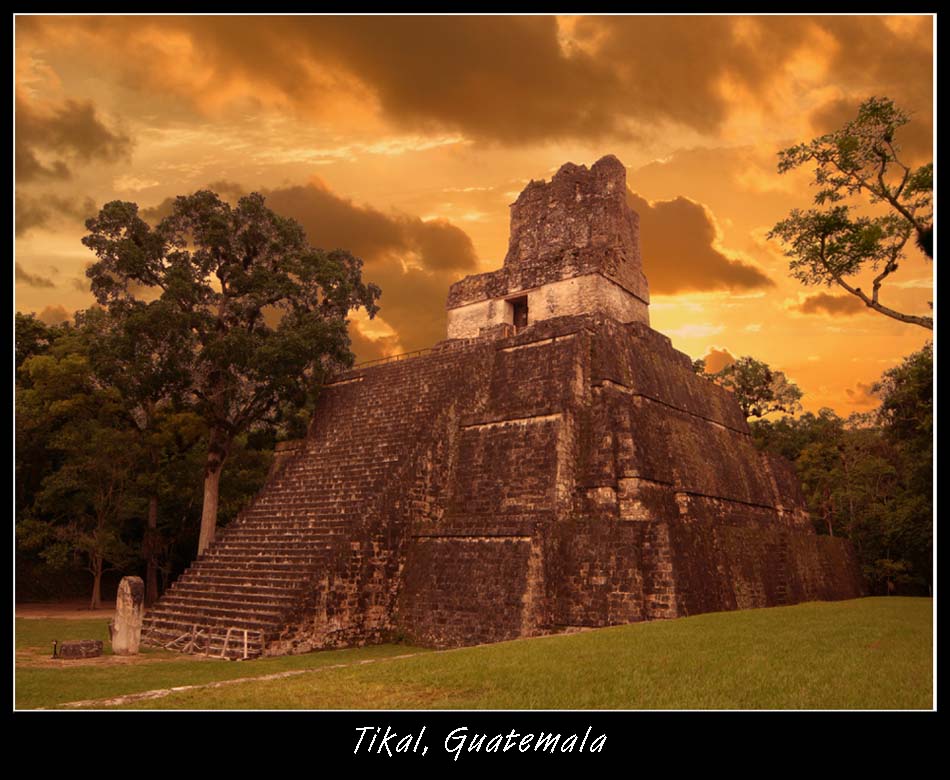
[{"x": 553, "y": 464}]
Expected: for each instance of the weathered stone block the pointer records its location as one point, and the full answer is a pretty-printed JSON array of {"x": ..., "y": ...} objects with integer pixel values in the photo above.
[{"x": 79, "y": 648}]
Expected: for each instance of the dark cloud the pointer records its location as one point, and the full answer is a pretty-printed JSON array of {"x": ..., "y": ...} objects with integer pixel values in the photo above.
[
  {"x": 862, "y": 395},
  {"x": 673, "y": 68},
  {"x": 54, "y": 315},
  {"x": 718, "y": 359},
  {"x": 504, "y": 78},
  {"x": 677, "y": 241},
  {"x": 39, "y": 211},
  {"x": 29, "y": 213},
  {"x": 68, "y": 133},
  {"x": 834, "y": 305},
  {"x": 82, "y": 283},
  {"x": 228, "y": 191},
  {"x": 412, "y": 260},
  {"x": 331, "y": 221},
  {"x": 509, "y": 79},
  {"x": 871, "y": 54},
  {"x": 498, "y": 78},
  {"x": 30, "y": 280}
]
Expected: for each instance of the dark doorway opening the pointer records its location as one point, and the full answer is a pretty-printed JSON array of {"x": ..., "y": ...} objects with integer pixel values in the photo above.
[{"x": 519, "y": 309}]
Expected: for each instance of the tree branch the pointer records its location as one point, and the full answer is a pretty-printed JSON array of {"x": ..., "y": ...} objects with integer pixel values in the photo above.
[{"x": 924, "y": 322}]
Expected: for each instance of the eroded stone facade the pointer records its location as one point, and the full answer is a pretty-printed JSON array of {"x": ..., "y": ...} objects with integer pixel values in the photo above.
[
  {"x": 524, "y": 478},
  {"x": 574, "y": 249}
]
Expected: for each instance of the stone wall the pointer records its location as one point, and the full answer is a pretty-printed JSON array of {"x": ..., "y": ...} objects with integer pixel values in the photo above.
[
  {"x": 571, "y": 296},
  {"x": 632, "y": 481}
]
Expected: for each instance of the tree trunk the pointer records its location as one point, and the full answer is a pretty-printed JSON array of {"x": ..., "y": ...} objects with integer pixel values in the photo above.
[
  {"x": 96, "y": 567},
  {"x": 218, "y": 447},
  {"x": 151, "y": 553}
]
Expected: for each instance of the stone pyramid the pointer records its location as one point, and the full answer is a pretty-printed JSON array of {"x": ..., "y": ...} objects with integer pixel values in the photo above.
[{"x": 553, "y": 464}]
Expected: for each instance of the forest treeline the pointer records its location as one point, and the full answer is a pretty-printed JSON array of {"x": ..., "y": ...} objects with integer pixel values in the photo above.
[{"x": 869, "y": 477}]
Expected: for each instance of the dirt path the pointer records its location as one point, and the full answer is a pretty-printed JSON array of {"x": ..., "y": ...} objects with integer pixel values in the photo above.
[
  {"x": 162, "y": 692},
  {"x": 69, "y": 610}
]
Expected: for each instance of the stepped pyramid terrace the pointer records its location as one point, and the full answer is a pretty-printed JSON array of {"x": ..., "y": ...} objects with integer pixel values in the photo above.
[{"x": 554, "y": 463}]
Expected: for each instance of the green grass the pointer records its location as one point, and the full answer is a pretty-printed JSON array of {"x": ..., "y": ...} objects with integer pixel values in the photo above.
[
  {"x": 868, "y": 654},
  {"x": 67, "y": 681}
]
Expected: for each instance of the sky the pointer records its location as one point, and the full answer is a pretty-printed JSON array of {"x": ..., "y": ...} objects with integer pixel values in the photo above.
[{"x": 405, "y": 139}]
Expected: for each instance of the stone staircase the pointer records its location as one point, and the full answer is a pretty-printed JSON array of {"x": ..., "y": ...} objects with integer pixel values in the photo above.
[{"x": 259, "y": 573}]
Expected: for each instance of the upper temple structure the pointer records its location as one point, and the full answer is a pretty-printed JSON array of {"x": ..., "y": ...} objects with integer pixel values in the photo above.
[
  {"x": 554, "y": 463},
  {"x": 574, "y": 249}
]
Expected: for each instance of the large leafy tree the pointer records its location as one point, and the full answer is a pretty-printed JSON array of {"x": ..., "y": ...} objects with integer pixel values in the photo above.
[
  {"x": 831, "y": 245},
  {"x": 758, "y": 389},
  {"x": 264, "y": 314}
]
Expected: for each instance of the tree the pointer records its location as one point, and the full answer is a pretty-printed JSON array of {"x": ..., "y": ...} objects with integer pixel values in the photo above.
[
  {"x": 142, "y": 351},
  {"x": 870, "y": 478},
  {"x": 758, "y": 389},
  {"x": 906, "y": 420},
  {"x": 829, "y": 246},
  {"x": 265, "y": 313},
  {"x": 906, "y": 392},
  {"x": 788, "y": 436},
  {"x": 33, "y": 337},
  {"x": 86, "y": 493}
]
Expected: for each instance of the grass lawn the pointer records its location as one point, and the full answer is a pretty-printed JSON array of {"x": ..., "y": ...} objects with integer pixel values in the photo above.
[
  {"x": 42, "y": 681},
  {"x": 873, "y": 653}
]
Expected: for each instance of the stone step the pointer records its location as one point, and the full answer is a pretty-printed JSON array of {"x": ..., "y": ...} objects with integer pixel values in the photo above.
[
  {"x": 261, "y": 569},
  {"x": 251, "y": 552},
  {"x": 270, "y": 542},
  {"x": 185, "y": 603},
  {"x": 185, "y": 617},
  {"x": 263, "y": 585},
  {"x": 247, "y": 538},
  {"x": 297, "y": 525},
  {"x": 221, "y": 595},
  {"x": 306, "y": 499},
  {"x": 225, "y": 594},
  {"x": 270, "y": 523}
]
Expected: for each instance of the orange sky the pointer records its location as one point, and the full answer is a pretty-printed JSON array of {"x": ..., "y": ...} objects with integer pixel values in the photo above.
[{"x": 404, "y": 139}]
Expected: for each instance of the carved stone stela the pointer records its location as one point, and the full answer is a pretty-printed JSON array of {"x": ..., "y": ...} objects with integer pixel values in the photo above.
[
  {"x": 126, "y": 627},
  {"x": 554, "y": 463}
]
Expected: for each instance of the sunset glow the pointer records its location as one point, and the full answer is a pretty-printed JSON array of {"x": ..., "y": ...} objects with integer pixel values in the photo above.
[{"x": 404, "y": 140}]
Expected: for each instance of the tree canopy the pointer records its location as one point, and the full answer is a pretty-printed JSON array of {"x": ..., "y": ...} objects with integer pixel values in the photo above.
[
  {"x": 75, "y": 493},
  {"x": 759, "y": 390},
  {"x": 870, "y": 477},
  {"x": 259, "y": 316},
  {"x": 831, "y": 245}
]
